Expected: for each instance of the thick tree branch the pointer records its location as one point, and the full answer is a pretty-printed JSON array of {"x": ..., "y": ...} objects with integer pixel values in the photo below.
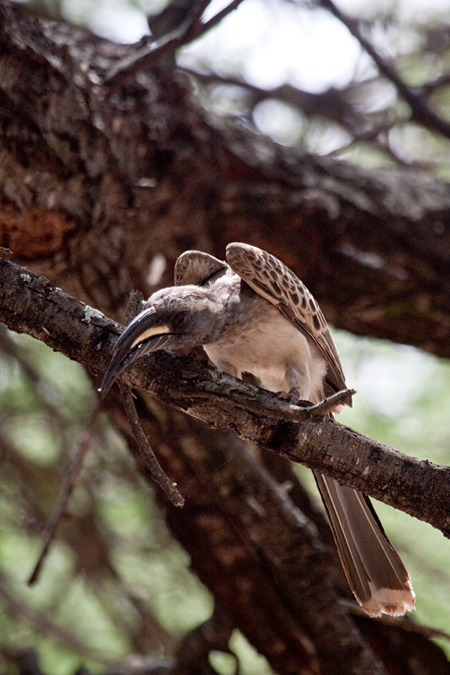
[
  {"x": 372, "y": 245},
  {"x": 260, "y": 533},
  {"x": 30, "y": 304},
  {"x": 94, "y": 185}
]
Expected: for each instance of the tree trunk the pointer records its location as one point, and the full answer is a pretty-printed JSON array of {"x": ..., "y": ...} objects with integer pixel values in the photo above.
[{"x": 98, "y": 178}]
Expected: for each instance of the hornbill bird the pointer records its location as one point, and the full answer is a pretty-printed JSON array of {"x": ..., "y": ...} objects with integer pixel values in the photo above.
[{"x": 253, "y": 315}]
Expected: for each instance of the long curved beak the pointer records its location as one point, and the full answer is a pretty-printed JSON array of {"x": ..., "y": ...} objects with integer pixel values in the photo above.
[{"x": 142, "y": 336}]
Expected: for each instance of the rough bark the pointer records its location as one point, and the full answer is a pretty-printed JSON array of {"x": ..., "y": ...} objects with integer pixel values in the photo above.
[
  {"x": 96, "y": 180},
  {"x": 29, "y": 304},
  {"x": 111, "y": 178}
]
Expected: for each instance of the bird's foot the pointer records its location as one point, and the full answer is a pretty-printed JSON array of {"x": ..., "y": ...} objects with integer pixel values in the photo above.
[{"x": 294, "y": 396}]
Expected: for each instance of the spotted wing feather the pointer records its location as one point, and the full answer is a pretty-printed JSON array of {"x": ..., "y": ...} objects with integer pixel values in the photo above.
[
  {"x": 196, "y": 267},
  {"x": 275, "y": 282}
]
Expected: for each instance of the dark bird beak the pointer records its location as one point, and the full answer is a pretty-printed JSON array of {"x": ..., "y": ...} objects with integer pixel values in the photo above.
[{"x": 142, "y": 336}]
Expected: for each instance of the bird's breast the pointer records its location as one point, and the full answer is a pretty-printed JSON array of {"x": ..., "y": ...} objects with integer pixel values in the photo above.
[{"x": 269, "y": 347}]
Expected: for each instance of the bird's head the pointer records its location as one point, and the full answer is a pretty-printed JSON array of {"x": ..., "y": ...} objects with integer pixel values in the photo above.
[{"x": 179, "y": 317}]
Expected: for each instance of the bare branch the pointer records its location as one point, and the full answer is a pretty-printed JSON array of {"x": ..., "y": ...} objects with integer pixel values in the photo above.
[
  {"x": 327, "y": 405},
  {"x": 421, "y": 112},
  {"x": 42, "y": 624},
  {"x": 440, "y": 81},
  {"x": 333, "y": 104},
  {"x": 46, "y": 393},
  {"x": 217, "y": 18},
  {"x": 190, "y": 29},
  {"x": 156, "y": 471},
  {"x": 153, "y": 50},
  {"x": 71, "y": 479},
  {"x": 28, "y": 303}
]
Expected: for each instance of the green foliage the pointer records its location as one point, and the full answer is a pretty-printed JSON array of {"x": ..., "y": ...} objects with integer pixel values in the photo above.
[
  {"x": 115, "y": 582},
  {"x": 114, "y": 578}
]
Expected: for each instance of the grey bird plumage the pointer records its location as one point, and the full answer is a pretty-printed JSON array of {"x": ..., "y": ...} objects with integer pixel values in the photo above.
[{"x": 252, "y": 315}]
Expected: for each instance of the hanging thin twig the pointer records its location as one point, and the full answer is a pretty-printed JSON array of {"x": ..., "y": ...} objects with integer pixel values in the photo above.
[
  {"x": 52, "y": 526},
  {"x": 156, "y": 471}
]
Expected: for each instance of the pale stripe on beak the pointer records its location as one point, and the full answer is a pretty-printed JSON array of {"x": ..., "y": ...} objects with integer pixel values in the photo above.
[{"x": 137, "y": 340}]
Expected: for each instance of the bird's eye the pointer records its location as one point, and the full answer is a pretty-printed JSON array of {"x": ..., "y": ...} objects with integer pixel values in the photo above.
[{"x": 180, "y": 320}]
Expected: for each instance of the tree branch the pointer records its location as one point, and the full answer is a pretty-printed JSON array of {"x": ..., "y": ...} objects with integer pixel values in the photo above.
[
  {"x": 189, "y": 30},
  {"x": 70, "y": 482},
  {"x": 421, "y": 112},
  {"x": 371, "y": 244},
  {"x": 29, "y": 304},
  {"x": 237, "y": 523},
  {"x": 154, "y": 467}
]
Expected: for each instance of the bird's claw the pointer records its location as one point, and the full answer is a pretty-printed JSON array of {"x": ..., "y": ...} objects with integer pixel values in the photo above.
[{"x": 293, "y": 396}]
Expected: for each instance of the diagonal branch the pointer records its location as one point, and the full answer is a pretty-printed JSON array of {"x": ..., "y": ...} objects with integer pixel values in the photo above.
[
  {"x": 156, "y": 472},
  {"x": 421, "y": 111},
  {"x": 217, "y": 18},
  {"x": 70, "y": 482},
  {"x": 152, "y": 50},
  {"x": 30, "y": 304}
]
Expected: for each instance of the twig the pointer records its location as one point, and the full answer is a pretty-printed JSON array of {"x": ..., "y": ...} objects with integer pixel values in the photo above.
[
  {"x": 124, "y": 68},
  {"x": 156, "y": 471},
  {"x": 45, "y": 393},
  {"x": 217, "y": 18},
  {"x": 332, "y": 103},
  {"x": 440, "y": 81},
  {"x": 53, "y": 524},
  {"x": 188, "y": 31},
  {"x": 286, "y": 408},
  {"x": 42, "y": 624},
  {"x": 422, "y": 113}
]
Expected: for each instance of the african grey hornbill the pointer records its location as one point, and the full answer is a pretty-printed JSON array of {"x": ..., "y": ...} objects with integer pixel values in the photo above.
[{"x": 253, "y": 315}]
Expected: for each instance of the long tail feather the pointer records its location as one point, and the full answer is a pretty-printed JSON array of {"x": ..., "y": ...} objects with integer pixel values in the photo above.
[{"x": 373, "y": 569}]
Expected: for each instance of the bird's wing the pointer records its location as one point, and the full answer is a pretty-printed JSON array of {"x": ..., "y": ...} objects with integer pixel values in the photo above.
[
  {"x": 195, "y": 267},
  {"x": 275, "y": 282}
]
